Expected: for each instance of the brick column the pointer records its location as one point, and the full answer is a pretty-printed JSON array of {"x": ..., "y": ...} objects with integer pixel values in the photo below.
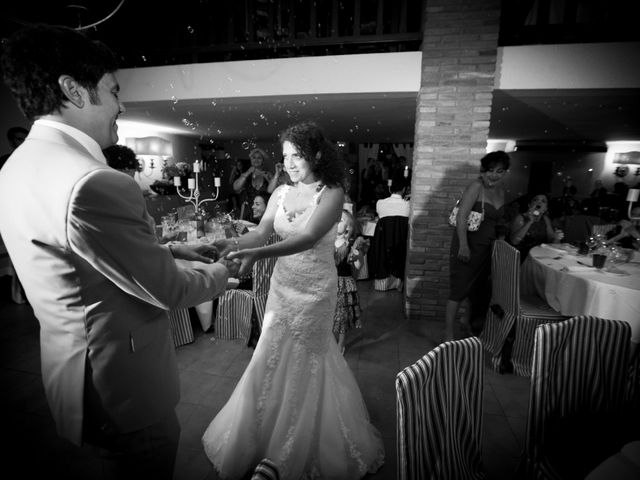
[{"x": 452, "y": 126}]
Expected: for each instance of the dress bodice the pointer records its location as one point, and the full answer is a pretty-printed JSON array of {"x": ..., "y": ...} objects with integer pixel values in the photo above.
[{"x": 305, "y": 278}]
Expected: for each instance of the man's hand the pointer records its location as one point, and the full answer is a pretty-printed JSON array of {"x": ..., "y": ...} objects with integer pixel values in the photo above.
[{"x": 204, "y": 252}]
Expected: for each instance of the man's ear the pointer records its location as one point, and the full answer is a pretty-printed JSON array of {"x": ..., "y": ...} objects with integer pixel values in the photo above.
[{"x": 72, "y": 90}]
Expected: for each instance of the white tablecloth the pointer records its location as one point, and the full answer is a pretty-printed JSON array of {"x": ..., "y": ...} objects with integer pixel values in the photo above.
[{"x": 572, "y": 289}]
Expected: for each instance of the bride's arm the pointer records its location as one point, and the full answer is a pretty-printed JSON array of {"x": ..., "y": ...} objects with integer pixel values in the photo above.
[
  {"x": 325, "y": 216},
  {"x": 258, "y": 236}
]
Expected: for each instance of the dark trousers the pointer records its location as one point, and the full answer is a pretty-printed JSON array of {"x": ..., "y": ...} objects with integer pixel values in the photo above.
[{"x": 149, "y": 453}]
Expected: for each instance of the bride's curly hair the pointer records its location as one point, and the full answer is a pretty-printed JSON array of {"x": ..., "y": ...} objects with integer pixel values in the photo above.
[{"x": 308, "y": 137}]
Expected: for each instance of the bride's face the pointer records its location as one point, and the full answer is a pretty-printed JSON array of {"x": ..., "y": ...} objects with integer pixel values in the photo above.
[{"x": 295, "y": 165}]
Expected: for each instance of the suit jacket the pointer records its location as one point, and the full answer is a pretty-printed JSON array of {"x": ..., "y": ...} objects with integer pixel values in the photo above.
[{"x": 100, "y": 284}]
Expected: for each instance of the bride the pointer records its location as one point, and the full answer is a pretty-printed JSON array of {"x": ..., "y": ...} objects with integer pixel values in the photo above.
[{"x": 297, "y": 403}]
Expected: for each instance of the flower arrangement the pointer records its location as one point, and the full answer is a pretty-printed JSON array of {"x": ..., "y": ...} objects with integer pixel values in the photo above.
[{"x": 178, "y": 169}]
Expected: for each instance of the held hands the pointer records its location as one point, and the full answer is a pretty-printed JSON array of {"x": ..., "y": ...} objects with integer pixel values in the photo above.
[
  {"x": 224, "y": 246},
  {"x": 230, "y": 265},
  {"x": 245, "y": 258},
  {"x": 206, "y": 253}
]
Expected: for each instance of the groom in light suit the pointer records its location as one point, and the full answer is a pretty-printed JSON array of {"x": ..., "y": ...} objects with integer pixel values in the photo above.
[{"x": 85, "y": 250}]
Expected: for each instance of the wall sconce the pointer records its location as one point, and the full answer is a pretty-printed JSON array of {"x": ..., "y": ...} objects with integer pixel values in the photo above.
[
  {"x": 632, "y": 196},
  {"x": 153, "y": 146},
  {"x": 627, "y": 158}
]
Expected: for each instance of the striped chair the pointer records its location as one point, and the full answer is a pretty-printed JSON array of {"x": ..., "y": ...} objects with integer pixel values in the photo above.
[
  {"x": 236, "y": 307},
  {"x": 439, "y": 413},
  {"x": 265, "y": 470},
  {"x": 580, "y": 369},
  {"x": 602, "y": 229},
  {"x": 508, "y": 310},
  {"x": 181, "y": 328}
]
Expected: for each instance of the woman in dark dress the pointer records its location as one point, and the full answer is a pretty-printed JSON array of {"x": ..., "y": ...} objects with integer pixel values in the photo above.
[
  {"x": 470, "y": 255},
  {"x": 533, "y": 227}
]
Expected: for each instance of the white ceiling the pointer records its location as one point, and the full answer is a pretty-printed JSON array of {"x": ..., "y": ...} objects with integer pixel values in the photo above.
[{"x": 534, "y": 115}]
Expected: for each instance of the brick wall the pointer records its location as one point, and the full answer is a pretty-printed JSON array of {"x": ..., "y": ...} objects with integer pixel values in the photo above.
[{"x": 452, "y": 125}]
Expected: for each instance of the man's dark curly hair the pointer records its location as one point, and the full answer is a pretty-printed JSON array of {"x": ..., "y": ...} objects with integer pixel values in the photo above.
[
  {"x": 318, "y": 151},
  {"x": 34, "y": 58}
]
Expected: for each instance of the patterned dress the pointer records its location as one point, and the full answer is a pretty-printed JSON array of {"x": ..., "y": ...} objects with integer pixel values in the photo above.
[{"x": 297, "y": 402}]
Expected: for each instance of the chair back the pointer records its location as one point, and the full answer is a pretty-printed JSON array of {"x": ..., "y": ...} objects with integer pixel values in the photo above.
[
  {"x": 504, "y": 308},
  {"x": 602, "y": 229},
  {"x": 388, "y": 251},
  {"x": 439, "y": 413},
  {"x": 579, "y": 371}
]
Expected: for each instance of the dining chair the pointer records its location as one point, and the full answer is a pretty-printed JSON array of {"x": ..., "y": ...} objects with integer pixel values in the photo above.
[
  {"x": 602, "y": 229},
  {"x": 577, "y": 413},
  {"x": 439, "y": 413},
  {"x": 181, "y": 328},
  {"x": 388, "y": 253},
  {"x": 266, "y": 470},
  {"x": 512, "y": 317},
  {"x": 237, "y": 307}
]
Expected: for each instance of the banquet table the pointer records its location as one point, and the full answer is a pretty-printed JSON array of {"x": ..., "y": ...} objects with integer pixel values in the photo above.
[{"x": 571, "y": 286}]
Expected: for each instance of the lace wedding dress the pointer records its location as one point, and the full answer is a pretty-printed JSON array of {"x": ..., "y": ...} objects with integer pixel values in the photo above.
[{"x": 298, "y": 402}]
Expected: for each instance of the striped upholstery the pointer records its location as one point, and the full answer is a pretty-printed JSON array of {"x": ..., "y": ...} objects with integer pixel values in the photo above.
[
  {"x": 602, "y": 229},
  {"x": 579, "y": 366},
  {"x": 181, "y": 329},
  {"x": 266, "y": 470},
  {"x": 526, "y": 313},
  {"x": 236, "y": 307},
  {"x": 387, "y": 283},
  {"x": 439, "y": 413}
]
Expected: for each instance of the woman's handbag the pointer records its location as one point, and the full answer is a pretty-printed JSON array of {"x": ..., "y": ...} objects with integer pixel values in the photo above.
[{"x": 473, "y": 220}]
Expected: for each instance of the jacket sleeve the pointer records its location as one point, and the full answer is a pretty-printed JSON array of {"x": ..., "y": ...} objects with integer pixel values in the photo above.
[{"x": 109, "y": 227}]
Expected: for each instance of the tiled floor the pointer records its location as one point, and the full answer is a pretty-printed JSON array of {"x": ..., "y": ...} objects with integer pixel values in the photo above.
[{"x": 209, "y": 370}]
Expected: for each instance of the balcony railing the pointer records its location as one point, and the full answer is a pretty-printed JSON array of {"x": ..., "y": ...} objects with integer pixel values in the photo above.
[
  {"x": 226, "y": 30},
  {"x": 530, "y": 22}
]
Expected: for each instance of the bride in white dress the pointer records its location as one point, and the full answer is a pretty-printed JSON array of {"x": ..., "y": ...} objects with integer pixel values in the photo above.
[{"x": 297, "y": 403}]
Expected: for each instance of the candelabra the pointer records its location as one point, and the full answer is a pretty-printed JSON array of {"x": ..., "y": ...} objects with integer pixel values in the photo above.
[{"x": 194, "y": 189}]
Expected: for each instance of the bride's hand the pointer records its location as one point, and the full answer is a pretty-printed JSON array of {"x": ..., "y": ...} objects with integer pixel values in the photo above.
[{"x": 246, "y": 258}]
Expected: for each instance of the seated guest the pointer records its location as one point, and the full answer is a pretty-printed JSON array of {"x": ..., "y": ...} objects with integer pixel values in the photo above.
[
  {"x": 259, "y": 206},
  {"x": 627, "y": 232},
  {"x": 395, "y": 205},
  {"x": 533, "y": 226}
]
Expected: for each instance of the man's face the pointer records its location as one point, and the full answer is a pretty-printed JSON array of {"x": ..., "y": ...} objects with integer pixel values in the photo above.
[{"x": 101, "y": 115}]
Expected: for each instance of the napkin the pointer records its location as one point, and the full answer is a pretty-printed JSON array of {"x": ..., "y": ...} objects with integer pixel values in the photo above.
[{"x": 577, "y": 269}]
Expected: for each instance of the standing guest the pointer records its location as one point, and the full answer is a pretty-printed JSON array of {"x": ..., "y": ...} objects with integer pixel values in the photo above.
[
  {"x": 533, "y": 227},
  {"x": 16, "y": 136},
  {"x": 348, "y": 257},
  {"x": 280, "y": 177},
  {"x": 86, "y": 252},
  {"x": 394, "y": 205},
  {"x": 470, "y": 254},
  {"x": 297, "y": 403},
  {"x": 255, "y": 180},
  {"x": 238, "y": 169}
]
